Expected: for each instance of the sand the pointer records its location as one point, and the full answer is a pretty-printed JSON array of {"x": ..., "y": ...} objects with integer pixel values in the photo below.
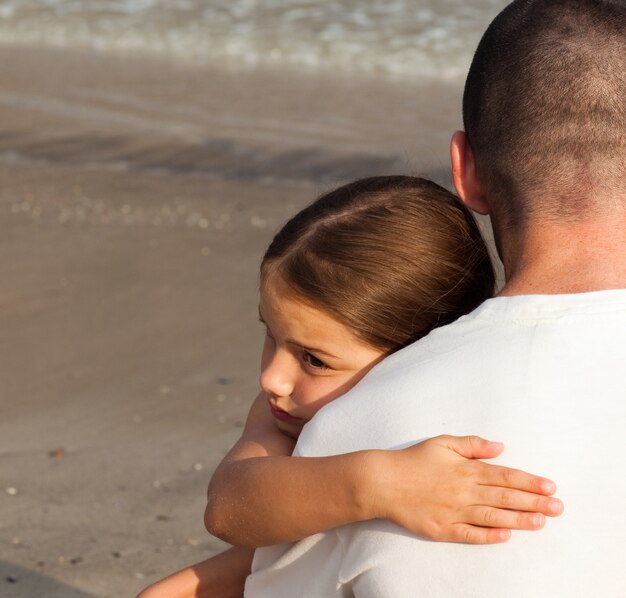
[{"x": 136, "y": 199}]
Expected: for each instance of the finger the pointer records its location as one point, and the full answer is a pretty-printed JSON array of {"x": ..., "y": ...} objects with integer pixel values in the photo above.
[
  {"x": 518, "y": 500},
  {"x": 497, "y": 475},
  {"x": 470, "y": 534},
  {"x": 502, "y": 518},
  {"x": 473, "y": 447}
]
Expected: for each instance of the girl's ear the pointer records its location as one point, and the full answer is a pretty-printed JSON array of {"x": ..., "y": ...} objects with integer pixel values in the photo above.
[{"x": 466, "y": 181}]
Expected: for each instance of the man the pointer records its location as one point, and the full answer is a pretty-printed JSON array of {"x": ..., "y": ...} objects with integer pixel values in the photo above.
[{"x": 543, "y": 365}]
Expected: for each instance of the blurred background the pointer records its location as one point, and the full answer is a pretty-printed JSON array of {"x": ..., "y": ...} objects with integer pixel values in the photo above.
[{"x": 149, "y": 149}]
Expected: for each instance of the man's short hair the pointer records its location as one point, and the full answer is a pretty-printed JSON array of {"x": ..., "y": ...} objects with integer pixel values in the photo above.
[{"x": 545, "y": 108}]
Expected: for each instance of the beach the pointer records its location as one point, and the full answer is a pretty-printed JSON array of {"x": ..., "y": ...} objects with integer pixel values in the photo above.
[{"x": 137, "y": 197}]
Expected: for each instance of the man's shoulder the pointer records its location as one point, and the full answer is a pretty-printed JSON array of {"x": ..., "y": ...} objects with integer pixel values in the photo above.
[{"x": 359, "y": 418}]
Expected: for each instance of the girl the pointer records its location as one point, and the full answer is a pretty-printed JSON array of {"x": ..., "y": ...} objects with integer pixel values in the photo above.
[{"x": 361, "y": 273}]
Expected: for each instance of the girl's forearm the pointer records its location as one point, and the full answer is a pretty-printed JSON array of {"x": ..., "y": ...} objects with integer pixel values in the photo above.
[
  {"x": 259, "y": 496},
  {"x": 269, "y": 500},
  {"x": 438, "y": 489},
  {"x": 222, "y": 576}
]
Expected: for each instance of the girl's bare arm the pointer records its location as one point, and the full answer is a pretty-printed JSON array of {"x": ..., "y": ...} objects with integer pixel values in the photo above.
[
  {"x": 222, "y": 576},
  {"x": 438, "y": 489}
]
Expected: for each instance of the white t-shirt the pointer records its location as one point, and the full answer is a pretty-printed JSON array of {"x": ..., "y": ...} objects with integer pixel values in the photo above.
[{"x": 546, "y": 375}]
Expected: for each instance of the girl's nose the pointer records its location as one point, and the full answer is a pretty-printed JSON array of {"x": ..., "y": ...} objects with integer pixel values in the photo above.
[{"x": 277, "y": 377}]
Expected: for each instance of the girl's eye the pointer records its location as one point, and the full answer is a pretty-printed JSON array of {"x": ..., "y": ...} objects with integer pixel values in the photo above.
[{"x": 313, "y": 361}]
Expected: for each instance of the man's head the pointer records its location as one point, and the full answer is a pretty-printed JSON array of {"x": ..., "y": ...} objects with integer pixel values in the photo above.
[{"x": 545, "y": 111}]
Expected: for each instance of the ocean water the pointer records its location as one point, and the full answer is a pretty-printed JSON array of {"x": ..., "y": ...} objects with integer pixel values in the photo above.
[{"x": 409, "y": 38}]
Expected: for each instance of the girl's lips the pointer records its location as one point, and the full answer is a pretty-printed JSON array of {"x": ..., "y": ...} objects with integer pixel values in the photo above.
[{"x": 283, "y": 416}]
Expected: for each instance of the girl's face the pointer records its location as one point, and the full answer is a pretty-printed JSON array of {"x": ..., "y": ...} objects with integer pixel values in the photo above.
[{"x": 309, "y": 358}]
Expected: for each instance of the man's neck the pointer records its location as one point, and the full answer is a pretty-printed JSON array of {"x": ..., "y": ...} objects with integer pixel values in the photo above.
[{"x": 562, "y": 258}]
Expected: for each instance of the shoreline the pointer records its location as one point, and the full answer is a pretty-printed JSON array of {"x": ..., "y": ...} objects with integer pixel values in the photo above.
[{"x": 137, "y": 105}]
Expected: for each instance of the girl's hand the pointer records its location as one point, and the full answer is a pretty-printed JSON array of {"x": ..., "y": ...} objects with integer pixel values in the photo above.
[{"x": 439, "y": 490}]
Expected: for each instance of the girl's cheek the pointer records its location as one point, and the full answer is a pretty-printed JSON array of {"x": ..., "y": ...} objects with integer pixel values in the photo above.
[
  {"x": 306, "y": 394},
  {"x": 320, "y": 392}
]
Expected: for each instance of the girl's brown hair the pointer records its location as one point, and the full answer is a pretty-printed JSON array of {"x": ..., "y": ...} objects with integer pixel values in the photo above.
[{"x": 389, "y": 257}]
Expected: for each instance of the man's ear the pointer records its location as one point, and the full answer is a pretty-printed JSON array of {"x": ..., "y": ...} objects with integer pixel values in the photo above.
[{"x": 466, "y": 182}]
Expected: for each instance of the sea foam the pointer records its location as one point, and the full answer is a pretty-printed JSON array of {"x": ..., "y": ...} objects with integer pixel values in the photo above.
[{"x": 401, "y": 37}]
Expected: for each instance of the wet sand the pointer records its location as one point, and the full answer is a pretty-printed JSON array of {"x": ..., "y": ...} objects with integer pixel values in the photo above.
[{"x": 136, "y": 200}]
